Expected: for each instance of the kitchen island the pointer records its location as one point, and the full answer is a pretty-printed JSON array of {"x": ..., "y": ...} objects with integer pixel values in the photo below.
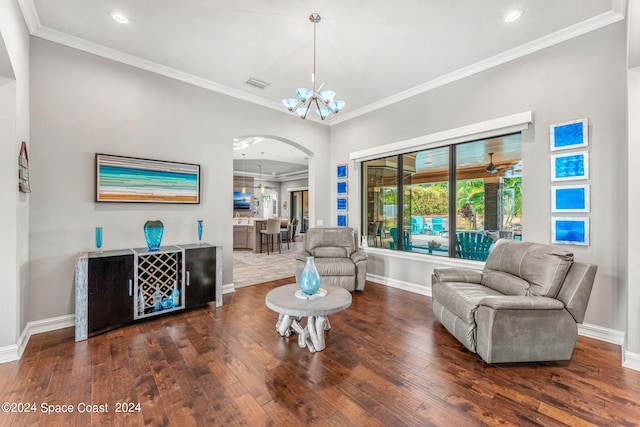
[{"x": 246, "y": 233}]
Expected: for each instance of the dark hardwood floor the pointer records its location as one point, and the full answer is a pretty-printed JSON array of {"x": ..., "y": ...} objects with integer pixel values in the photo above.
[{"x": 387, "y": 363}]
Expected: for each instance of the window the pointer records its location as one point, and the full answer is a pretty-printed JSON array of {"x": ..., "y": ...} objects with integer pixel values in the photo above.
[{"x": 418, "y": 202}]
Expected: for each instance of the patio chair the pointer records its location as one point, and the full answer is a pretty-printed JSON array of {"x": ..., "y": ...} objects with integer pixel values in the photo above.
[
  {"x": 475, "y": 246},
  {"x": 417, "y": 225},
  {"x": 406, "y": 244},
  {"x": 436, "y": 225},
  {"x": 373, "y": 233}
]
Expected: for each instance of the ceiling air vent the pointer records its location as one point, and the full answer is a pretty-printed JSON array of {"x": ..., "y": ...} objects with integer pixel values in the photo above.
[{"x": 257, "y": 83}]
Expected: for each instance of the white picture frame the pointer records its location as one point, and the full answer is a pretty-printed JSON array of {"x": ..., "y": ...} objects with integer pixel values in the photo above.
[
  {"x": 569, "y": 135},
  {"x": 570, "y": 198}
]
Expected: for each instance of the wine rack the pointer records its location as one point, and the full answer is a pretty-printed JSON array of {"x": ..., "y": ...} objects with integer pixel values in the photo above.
[{"x": 156, "y": 273}]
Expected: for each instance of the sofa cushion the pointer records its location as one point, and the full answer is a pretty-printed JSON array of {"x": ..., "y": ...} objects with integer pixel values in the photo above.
[
  {"x": 543, "y": 266},
  {"x": 329, "y": 252},
  {"x": 335, "y": 266},
  {"x": 461, "y": 298},
  {"x": 336, "y": 237},
  {"x": 505, "y": 283}
]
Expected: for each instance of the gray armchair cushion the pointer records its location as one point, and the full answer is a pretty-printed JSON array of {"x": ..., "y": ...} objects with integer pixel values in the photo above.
[
  {"x": 335, "y": 267},
  {"x": 462, "y": 299},
  {"x": 456, "y": 275},
  {"x": 329, "y": 252},
  {"x": 330, "y": 237},
  {"x": 543, "y": 266},
  {"x": 521, "y": 303},
  {"x": 358, "y": 256},
  {"x": 506, "y": 283}
]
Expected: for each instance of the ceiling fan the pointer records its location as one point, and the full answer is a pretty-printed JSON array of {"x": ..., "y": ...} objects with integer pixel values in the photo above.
[
  {"x": 491, "y": 168},
  {"x": 261, "y": 186}
]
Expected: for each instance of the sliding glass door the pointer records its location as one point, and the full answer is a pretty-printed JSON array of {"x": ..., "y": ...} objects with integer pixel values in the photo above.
[{"x": 300, "y": 208}]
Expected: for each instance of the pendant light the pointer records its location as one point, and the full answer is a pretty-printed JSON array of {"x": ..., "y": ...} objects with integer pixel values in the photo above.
[
  {"x": 322, "y": 100},
  {"x": 261, "y": 184},
  {"x": 244, "y": 189}
]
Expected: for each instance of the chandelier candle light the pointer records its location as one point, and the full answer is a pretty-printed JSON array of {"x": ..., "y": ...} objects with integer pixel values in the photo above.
[{"x": 322, "y": 99}]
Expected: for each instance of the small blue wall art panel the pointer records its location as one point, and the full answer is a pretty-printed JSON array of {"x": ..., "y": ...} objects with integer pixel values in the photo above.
[
  {"x": 570, "y": 231},
  {"x": 341, "y": 171},
  {"x": 342, "y": 220},
  {"x": 342, "y": 187},
  {"x": 573, "y": 134},
  {"x": 570, "y": 198},
  {"x": 572, "y": 166}
]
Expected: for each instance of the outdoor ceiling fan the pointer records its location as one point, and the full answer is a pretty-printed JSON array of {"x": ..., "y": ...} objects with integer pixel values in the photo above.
[{"x": 491, "y": 168}]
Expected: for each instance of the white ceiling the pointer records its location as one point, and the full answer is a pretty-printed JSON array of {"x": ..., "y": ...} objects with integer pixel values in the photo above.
[{"x": 371, "y": 52}]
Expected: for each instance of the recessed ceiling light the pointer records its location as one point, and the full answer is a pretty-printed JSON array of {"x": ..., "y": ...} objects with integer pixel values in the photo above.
[
  {"x": 513, "y": 15},
  {"x": 118, "y": 17}
]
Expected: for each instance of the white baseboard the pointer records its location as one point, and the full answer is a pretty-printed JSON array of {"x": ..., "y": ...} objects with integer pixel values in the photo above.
[
  {"x": 9, "y": 353},
  {"x": 631, "y": 360},
  {"x": 399, "y": 284},
  {"x": 603, "y": 334},
  {"x": 14, "y": 352},
  {"x": 228, "y": 288}
]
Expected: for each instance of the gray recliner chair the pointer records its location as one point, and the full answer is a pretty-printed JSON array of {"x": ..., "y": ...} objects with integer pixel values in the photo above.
[
  {"x": 523, "y": 307},
  {"x": 337, "y": 257}
]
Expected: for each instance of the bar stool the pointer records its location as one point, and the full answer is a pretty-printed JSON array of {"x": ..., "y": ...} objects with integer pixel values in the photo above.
[{"x": 273, "y": 229}]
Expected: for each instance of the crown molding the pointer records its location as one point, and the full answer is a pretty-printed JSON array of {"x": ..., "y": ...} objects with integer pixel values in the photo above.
[
  {"x": 30, "y": 15},
  {"x": 617, "y": 13}
]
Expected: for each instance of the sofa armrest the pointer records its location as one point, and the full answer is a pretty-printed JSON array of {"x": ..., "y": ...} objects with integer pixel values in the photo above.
[
  {"x": 358, "y": 256},
  {"x": 456, "y": 274},
  {"x": 302, "y": 256},
  {"x": 509, "y": 302}
]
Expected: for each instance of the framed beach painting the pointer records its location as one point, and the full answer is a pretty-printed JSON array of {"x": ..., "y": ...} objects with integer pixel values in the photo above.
[
  {"x": 570, "y": 231},
  {"x": 570, "y": 198},
  {"x": 567, "y": 135},
  {"x": 131, "y": 179},
  {"x": 570, "y": 166}
]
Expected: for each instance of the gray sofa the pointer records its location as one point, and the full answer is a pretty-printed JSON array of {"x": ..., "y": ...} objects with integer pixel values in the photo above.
[
  {"x": 523, "y": 307},
  {"x": 337, "y": 257}
]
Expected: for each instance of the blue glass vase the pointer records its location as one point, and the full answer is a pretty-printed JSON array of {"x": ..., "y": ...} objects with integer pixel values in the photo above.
[
  {"x": 153, "y": 233},
  {"x": 309, "y": 279}
]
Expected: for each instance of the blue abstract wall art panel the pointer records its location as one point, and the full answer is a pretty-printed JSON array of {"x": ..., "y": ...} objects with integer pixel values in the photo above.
[
  {"x": 342, "y": 220},
  {"x": 567, "y": 135},
  {"x": 572, "y": 166},
  {"x": 342, "y": 204},
  {"x": 342, "y": 187},
  {"x": 570, "y": 231},
  {"x": 570, "y": 198}
]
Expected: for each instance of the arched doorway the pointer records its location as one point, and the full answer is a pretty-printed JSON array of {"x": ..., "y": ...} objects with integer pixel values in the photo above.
[{"x": 268, "y": 171}]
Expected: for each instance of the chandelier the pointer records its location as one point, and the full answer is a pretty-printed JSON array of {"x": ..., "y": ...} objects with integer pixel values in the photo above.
[{"x": 322, "y": 100}]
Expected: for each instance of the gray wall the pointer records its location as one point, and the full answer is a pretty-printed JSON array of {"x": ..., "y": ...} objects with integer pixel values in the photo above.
[
  {"x": 83, "y": 104},
  {"x": 582, "y": 77},
  {"x": 14, "y": 208}
]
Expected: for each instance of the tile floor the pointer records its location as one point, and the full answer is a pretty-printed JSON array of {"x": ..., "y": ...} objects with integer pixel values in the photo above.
[{"x": 250, "y": 269}]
